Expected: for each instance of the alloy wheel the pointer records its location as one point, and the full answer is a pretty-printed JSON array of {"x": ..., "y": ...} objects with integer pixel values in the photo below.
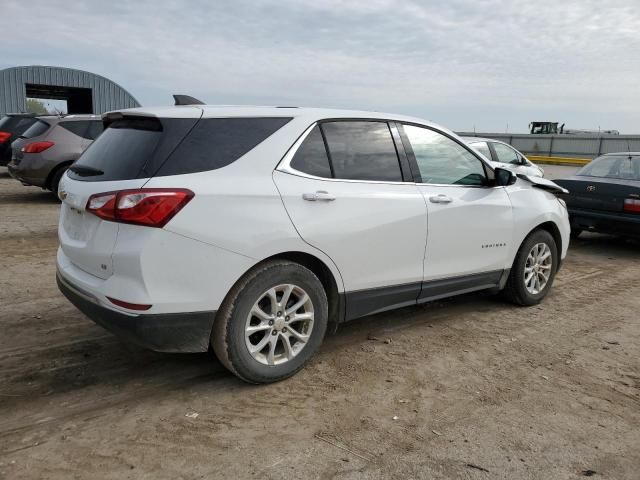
[
  {"x": 279, "y": 324},
  {"x": 537, "y": 269}
]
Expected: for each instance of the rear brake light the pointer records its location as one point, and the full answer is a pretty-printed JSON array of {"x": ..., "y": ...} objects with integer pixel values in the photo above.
[
  {"x": 4, "y": 136},
  {"x": 37, "y": 147},
  {"x": 631, "y": 205},
  {"x": 130, "y": 306},
  {"x": 151, "y": 207}
]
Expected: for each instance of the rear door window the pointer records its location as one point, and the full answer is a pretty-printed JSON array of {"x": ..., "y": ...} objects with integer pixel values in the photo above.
[
  {"x": 483, "y": 148},
  {"x": 362, "y": 150},
  {"x": 312, "y": 156}
]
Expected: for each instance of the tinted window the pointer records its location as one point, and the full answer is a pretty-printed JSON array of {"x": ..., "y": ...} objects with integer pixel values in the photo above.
[
  {"x": 78, "y": 128},
  {"x": 141, "y": 147},
  {"x": 483, "y": 148},
  {"x": 96, "y": 127},
  {"x": 362, "y": 151},
  {"x": 87, "y": 129},
  {"x": 217, "y": 142},
  {"x": 132, "y": 147},
  {"x": 37, "y": 129},
  {"x": 442, "y": 160},
  {"x": 312, "y": 157},
  {"x": 622, "y": 167},
  {"x": 506, "y": 154},
  {"x": 16, "y": 125}
]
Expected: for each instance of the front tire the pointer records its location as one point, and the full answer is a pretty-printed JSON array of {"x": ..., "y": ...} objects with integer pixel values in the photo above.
[
  {"x": 533, "y": 270},
  {"x": 271, "y": 323}
]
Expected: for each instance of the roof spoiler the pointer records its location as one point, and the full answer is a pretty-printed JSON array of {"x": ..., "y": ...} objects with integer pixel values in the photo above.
[{"x": 187, "y": 100}]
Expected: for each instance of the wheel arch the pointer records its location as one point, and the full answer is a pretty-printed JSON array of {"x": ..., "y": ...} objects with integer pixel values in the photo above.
[
  {"x": 321, "y": 270},
  {"x": 553, "y": 229},
  {"x": 54, "y": 170}
]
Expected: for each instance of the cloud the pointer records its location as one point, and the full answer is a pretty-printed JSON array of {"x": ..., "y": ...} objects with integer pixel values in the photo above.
[{"x": 462, "y": 63}]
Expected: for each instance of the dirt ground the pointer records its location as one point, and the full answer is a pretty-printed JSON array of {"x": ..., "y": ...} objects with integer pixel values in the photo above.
[{"x": 468, "y": 388}]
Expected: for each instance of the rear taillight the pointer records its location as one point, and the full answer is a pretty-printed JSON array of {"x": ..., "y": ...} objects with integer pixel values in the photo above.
[
  {"x": 631, "y": 205},
  {"x": 150, "y": 207},
  {"x": 37, "y": 147},
  {"x": 4, "y": 137}
]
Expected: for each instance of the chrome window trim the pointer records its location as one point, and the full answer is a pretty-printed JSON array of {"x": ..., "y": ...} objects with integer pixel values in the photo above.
[{"x": 284, "y": 165}]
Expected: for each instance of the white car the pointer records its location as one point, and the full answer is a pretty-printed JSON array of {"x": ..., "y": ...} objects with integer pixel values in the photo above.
[
  {"x": 504, "y": 155},
  {"x": 249, "y": 229}
]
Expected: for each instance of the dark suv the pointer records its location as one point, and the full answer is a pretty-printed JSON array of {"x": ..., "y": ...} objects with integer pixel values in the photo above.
[
  {"x": 12, "y": 126},
  {"x": 46, "y": 149}
]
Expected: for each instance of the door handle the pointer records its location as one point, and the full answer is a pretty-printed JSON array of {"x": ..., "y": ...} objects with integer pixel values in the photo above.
[
  {"x": 442, "y": 198},
  {"x": 320, "y": 195}
]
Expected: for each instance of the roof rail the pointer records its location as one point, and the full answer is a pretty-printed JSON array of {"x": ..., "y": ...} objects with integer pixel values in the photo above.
[{"x": 187, "y": 100}]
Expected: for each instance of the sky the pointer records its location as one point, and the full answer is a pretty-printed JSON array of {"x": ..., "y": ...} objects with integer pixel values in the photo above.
[{"x": 483, "y": 65}]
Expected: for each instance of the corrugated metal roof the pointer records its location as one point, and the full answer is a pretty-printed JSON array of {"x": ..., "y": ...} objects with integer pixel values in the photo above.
[{"x": 106, "y": 94}]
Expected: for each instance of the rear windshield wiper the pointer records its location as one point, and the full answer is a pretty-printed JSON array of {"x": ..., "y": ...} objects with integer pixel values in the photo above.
[{"x": 85, "y": 171}]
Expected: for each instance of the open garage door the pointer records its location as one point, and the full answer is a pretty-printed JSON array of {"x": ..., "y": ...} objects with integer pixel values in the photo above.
[{"x": 79, "y": 100}]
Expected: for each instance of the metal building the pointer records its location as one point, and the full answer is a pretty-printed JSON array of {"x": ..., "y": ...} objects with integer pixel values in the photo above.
[{"x": 84, "y": 92}]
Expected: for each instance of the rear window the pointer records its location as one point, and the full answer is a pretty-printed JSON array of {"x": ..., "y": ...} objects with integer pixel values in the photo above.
[
  {"x": 37, "y": 129},
  {"x": 16, "y": 125},
  {"x": 624, "y": 167},
  {"x": 141, "y": 147}
]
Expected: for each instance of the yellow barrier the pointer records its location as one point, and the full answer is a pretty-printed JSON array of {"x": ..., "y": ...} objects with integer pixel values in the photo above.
[{"x": 558, "y": 160}]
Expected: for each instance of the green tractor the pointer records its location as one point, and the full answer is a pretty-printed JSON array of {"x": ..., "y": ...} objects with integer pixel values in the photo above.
[{"x": 542, "y": 128}]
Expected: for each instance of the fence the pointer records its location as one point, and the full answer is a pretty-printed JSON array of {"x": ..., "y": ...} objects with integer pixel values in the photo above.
[{"x": 569, "y": 146}]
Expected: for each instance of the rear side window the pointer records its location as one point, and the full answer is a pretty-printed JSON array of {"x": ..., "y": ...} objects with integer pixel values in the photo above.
[
  {"x": 78, "y": 128},
  {"x": 37, "y": 129},
  {"x": 87, "y": 129},
  {"x": 362, "y": 150},
  {"x": 142, "y": 147},
  {"x": 217, "y": 142},
  {"x": 312, "y": 156}
]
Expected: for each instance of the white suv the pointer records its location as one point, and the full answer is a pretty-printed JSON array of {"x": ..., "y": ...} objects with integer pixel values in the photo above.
[{"x": 249, "y": 229}]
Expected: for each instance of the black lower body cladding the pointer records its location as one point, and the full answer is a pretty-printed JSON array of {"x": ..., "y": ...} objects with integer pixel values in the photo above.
[{"x": 175, "y": 332}]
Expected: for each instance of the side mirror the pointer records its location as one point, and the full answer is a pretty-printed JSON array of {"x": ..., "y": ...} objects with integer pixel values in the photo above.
[{"x": 504, "y": 177}]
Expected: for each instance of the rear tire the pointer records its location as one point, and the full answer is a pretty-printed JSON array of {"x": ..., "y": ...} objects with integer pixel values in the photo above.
[
  {"x": 533, "y": 270},
  {"x": 55, "y": 180},
  {"x": 260, "y": 334}
]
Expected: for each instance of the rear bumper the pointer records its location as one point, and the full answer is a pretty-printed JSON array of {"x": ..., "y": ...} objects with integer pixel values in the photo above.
[
  {"x": 618, "y": 224},
  {"x": 24, "y": 176},
  {"x": 172, "y": 332}
]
